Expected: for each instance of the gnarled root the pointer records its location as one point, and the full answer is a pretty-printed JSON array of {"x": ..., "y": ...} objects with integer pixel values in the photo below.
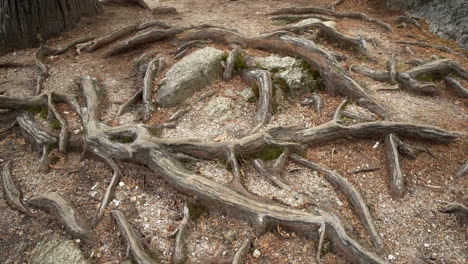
[
  {"x": 455, "y": 208},
  {"x": 463, "y": 171},
  {"x": 12, "y": 193},
  {"x": 151, "y": 73},
  {"x": 393, "y": 166},
  {"x": 351, "y": 193},
  {"x": 179, "y": 249},
  {"x": 62, "y": 210},
  {"x": 43, "y": 73},
  {"x": 456, "y": 87},
  {"x": 134, "y": 244},
  {"x": 262, "y": 79},
  {"x": 230, "y": 61},
  {"x": 242, "y": 252},
  {"x": 316, "y": 101}
]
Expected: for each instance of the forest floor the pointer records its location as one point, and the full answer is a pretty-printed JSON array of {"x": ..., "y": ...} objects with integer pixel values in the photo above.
[{"x": 412, "y": 228}]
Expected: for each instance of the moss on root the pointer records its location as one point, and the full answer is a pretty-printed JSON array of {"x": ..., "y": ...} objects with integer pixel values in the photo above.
[
  {"x": 42, "y": 111},
  {"x": 55, "y": 124},
  {"x": 268, "y": 153}
]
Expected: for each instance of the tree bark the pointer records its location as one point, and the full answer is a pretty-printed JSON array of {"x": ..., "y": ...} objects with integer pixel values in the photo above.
[{"x": 26, "y": 23}]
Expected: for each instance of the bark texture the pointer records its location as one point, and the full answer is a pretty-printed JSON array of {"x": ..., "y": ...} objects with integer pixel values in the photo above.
[{"x": 26, "y": 23}]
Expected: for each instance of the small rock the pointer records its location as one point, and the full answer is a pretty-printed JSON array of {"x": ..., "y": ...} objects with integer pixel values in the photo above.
[
  {"x": 256, "y": 253},
  {"x": 116, "y": 202},
  {"x": 121, "y": 184},
  {"x": 426, "y": 245},
  {"x": 391, "y": 257}
]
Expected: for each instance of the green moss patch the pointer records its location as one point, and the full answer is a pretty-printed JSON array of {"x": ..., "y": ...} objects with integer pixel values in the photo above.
[
  {"x": 55, "y": 124},
  {"x": 268, "y": 153}
]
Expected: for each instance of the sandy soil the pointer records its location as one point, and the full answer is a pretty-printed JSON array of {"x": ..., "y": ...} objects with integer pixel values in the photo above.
[{"x": 412, "y": 228}]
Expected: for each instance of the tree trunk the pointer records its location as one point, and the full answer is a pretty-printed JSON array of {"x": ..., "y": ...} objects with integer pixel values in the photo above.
[{"x": 25, "y": 23}]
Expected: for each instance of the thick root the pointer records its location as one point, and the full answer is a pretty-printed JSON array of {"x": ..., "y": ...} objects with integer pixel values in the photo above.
[
  {"x": 12, "y": 193},
  {"x": 397, "y": 180}
]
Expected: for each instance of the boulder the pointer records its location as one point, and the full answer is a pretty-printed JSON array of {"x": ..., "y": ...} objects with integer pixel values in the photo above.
[
  {"x": 190, "y": 74},
  {"x": 55, "y": 248},
  {"x": 296, "y": 75}
]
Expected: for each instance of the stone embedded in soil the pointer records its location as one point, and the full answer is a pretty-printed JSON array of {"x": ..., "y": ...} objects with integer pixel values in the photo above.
[
  {"x": 190, "y": 74},
  {"x": 55, "y": 248},
  {"x": 219, "y": 108},
  {"x": 293, "y": 73}
]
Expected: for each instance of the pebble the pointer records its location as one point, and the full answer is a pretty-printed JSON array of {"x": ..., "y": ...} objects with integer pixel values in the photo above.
[
  {"x": 391, "y": 257},
  {"x": 116, "y": 202},
  {"x": 256, "y": 253},
  {"x": 426, "y": 245},
  {"x": 121, "y": 184}
]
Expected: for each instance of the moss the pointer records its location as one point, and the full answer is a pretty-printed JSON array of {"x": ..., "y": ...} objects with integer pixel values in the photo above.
[
  {"x": 122, "y": 139},
  {"x": 400, "y": 26},
  {"x": 426, "y": 78},
  {"x": 154, "y": 131},
  {"x": 225, "y": 56},
  {"x": 315, "y": 73},
  {"x": 55, "y": 124},
  {"x": 196, "y": 210},
  {"x": 239, "y": 62},
  {"x": 256, "y": 90},
  {"x": 282, "y": 84},
  {"x": 42, "y": 111},
  {"x": 268, "y": 153}
]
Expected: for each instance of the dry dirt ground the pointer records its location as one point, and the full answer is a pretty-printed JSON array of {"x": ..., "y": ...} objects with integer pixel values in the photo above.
[{"x": 412, "y": 228}]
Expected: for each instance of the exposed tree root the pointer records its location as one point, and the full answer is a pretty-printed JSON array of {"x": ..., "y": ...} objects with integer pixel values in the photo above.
[
  {"x": 73, "y": 44},
  {"x": 357, "y": 117},
  {"x": 456, "y": 87},
  {"x": 63, "y": 136},
  {"x": 335, "y": 4},
  {"x": 179, "y": 249},
  {"x": 316, "y": 101},
  {"x": 408, "y": 20},
  {"x": 293, "y": 19},
  {"x": 12, "y": 193},
  {"x": 369, "y": 169},
  {"x": 133, "y": 100},
  {"x": 382, "y": 76},
  {"x": 141, "y": 39},
  {"x": 409, "y": 51},
  {"x": 64, "y": 212},
  {"x": 43, "y": 73},
  {"x": 463, "y": 171},
  {"x": 230, "y": 61},
  {"x": 397, "y": 181},
  {"x": 242, "y": 252},
  {"x": 351, "y": 193},
  {"x": 151, "y": 72},
  {"x": 110, "y": 189},
  {"x": 328, "y": 12},
  {"x": 111, "y": 37},
  {"x": 322, "y": 231},
  {"x": 427, "y": 45},
  {"x": 262, "y": 79},
  {"x": 456, "y": 208},
  {"x": 134, "y": 244},
  {"x": 392, "y": 71}
]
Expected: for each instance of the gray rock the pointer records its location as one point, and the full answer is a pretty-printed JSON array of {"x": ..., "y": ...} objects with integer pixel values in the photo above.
[
  {"x": 191, "y": 74},
  {"x": 446, "y": 18},
  {"x": 248, "y": 95},
  {"x": 55, "y": 248},
  {"x": 296, "y": 74}
]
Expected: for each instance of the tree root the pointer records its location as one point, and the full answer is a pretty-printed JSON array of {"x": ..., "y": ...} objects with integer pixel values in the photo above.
[
  {"x": 41, "y": 53},
  {"x": 456, "y": 87},
  {"x": 134, "y": 244},
  {"x": 427, "y": 45},
  {"x": 409, "y": 20},
  {"x": 392, "y": 71},
  {"x": 12, "y": 193},
  {"x": 73, "y": 44},
  {"x": 262, "y": 79},
  {"x": 335, "y": 4},
  {"x": 463, "y": 171},
  {"x": 63, "y": 136},
  {"x": 151, "y": 72},
  {"x": 293, "y": 19},
  {"x": 316, "y": 101},
  {"x": 141, "y": 39},
  {"x": 64, "y": 212},
  {"x": 110, "y": 189},
  {"x": 351, "y": 193},
  {"x": 455, "y": 208},
  {"x": 242, "y": 252},
  {"x": 397, "y": 180},
  {"x": 125, "y": 3},
  {"x": 110, "y": 37},
  {"x": 328, "y": 12},
  {"x": 230, "y": 61},
  {"x": 179, "y": 249},
  {"x": 133, "y": 100},
  {"x": 381, "y": 76}
]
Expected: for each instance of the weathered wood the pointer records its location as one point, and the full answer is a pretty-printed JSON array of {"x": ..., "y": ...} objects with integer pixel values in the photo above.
[
  {"x": 151, "y": 72},
  {"x": 293, "y": 19},
  {"x": 335, "y": 4},
  {"x": 456, "y": 87},
  {"x": 381, "y": 76},
  {"x": 316, "y": 101},
  {"x": 43, "y": 70},
  {"x": 262, "y": 79},
  {"x": 26, "y": 23},
  {"x": 427, "y": 45},
  {"x": 322, "y": 231},
  {"x": 179, "y": 248},
  {"x": 63, "y": 136},
  {"x": 133, "y": 100},
  {"x": 408, "y": 20},
  {"x": 111, "y": 37},
  {"x": 230, "y": 62},
  {"x": 463, "y": 171},
  {"x": 455, "y": 208},
  {"x": 323, "y": 11},
  {"x": 397, "y": 181},
  {"x": 110, "y": 189},
  {"x": 141, "y": 39},
  {"x": 339, "y": 109},
  {"x": 63, "y": 211},
  {"x": 351, "y": 193},
  {"x": 392, "y": 71},
  {"x": 134, "y": 244},
  {"x": 441, "y": 67},
  {"x": 12, "y": 193},
  {"x": 242, "y": 252}
]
